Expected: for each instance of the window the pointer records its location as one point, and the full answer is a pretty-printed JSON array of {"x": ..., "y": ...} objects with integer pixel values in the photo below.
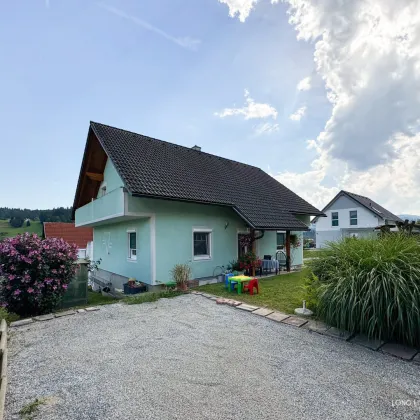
[
  {"x": 281, "y": 240},
  {"x": 353, "y": 217},
  {"x": 132, "y": 245},
  {"x": 334, "y": 218},
  {"x": 201, "y": 244}
]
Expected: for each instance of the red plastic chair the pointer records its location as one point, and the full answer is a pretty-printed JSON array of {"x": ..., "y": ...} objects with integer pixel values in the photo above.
[{"x": 249, "y": 287}]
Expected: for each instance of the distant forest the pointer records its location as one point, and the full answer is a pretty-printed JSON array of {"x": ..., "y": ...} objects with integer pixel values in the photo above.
[{"x": 59, "y": 214}]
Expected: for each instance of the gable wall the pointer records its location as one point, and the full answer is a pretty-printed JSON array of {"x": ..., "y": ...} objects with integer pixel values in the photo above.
[
  {"x": 343, "y": 205},
  {"x": 111, "y": 178}
]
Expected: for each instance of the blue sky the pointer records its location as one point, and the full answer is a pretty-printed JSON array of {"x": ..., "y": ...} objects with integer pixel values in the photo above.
[
  {"x": 73, "y": 62},
  {"x": 178, "y": 70}
]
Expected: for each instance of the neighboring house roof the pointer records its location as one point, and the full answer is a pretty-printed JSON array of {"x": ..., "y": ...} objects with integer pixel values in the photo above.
[
  {"x": 71, "y": 234},
  {"x": 158, "y": 169},
  {"x": 366, "y": 202}
]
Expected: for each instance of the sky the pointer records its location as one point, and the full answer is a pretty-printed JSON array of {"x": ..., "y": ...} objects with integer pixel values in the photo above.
[{"x": 321, "y": 94}]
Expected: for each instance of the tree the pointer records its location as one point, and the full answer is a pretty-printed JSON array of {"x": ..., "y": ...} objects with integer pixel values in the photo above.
[
  {"x": 28, "y": 223},
  {"x": 16, "y": 222}
]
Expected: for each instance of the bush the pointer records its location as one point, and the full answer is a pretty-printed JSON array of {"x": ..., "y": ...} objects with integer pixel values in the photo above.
[
  {"x": 35, "y": 273},
  {"x": 16, "y": 222},
  {"x": 371, "y": 286}
]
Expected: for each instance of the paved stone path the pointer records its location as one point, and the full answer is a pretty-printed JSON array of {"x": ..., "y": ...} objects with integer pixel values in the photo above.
[{"x": 397, "y": 350}]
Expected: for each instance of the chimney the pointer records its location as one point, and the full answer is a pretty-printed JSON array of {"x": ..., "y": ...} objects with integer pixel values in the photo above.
[{"x": 198, "y": 148}]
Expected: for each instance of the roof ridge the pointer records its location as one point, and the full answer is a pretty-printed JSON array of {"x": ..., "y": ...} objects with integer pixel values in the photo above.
[{"x": 177, "y": 145}]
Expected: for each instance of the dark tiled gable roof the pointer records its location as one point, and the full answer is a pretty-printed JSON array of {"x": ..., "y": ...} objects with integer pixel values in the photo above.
[
  {"x": 374, "y": 207},
  {"x": 155, "y": 168}
]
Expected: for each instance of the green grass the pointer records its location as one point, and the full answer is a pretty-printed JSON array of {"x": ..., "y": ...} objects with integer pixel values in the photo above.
[
  {"x": 283, "y": 293},
  {"x": 7, "y": 231},
  {"x": 311, "y": 253},
  {"x": 96, "y": 299},
  {"x": 151, "y": 297}
]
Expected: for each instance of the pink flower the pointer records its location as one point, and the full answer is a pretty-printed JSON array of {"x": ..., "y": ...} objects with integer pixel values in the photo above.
[
  {"x": 17, "y": 292},
  {"x": 65, "y": 286},
  {"x": 12, "y": 277},
  {"x": 30, "y": 290}
]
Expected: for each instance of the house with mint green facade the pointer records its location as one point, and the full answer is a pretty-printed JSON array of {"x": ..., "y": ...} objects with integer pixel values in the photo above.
[{"x": 154, "y": 204}]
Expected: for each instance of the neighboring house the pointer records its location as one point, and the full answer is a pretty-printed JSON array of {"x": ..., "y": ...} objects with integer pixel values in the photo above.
[
  {"x": 349, "y": 215},
  {"x": 154, "y": 204},
  {"x": 82, "y": 237}
]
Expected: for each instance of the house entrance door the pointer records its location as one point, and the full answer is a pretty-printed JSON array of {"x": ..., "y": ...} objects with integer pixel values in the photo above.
[{"x": 242, "y": 250}]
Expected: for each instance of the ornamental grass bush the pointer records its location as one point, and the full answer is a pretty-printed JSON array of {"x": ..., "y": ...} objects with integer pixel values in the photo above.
[
  {"x": 35, "y": 273},
  {"x": 370, "y": 286}
]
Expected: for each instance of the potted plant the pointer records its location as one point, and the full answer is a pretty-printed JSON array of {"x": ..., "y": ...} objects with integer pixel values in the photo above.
[
  {"x": 235, "y": 267},
  {"x": 132, "y": 287},
  {"x": 248, "y": 261},
  {"x": 181, "y": 274}
]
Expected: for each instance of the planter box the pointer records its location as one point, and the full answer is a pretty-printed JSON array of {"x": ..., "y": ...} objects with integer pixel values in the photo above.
[{"x": 133, "y": 290}]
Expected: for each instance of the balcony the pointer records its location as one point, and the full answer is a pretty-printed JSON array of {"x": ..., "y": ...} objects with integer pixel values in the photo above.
[{"x": 102, "y": 210}]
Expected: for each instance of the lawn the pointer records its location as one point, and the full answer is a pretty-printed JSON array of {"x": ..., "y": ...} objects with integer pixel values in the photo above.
[
  {"x": 96, "y": 299},
  {"x": 283, "y": 293},
  {"x": 8, "y": 231},
  {"x": 311, "y": 253}
]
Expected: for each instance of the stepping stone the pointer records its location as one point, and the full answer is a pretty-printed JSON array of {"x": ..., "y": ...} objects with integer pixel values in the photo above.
[
  {"x": 207, "y": 295},
  {"x": 44, "y": 317},
  {"x": 365, "y": 341},
  {"x": 296, "y": 322},
  {"x": 231, "y": 302},
  {"x": 80, "y": 311},
  {"x": 221, "y": 301},
  {"x": 246, "y": 307},
  {"x": 214, "y": 298},
  {"x": 277, "y": 316},
  {"x": 91, "y": 309},
  {"x": 335, "y": 332},
  {"x": 65, "y": 313},
  {"x": 317, "y": 326},
  {"x": 417, "y": 359},
  {"x": 398, "y": 350},
  {"x": 263, "y": 312},
  {"x": 22, "y": 322}
]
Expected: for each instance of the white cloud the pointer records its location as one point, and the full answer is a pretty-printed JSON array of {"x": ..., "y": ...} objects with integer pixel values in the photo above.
[
  {"x": 304, "y": 84},
  {"x": 184, "y": 42},
  {"x": 298, "y": 115},
  {"x": 266, "y": 128},
  {"x": 250, "y": 110},
  {"x": 394, "y": 185},
  {"x": 368, "y": 54},
  {"x": 241, "y": 8}
]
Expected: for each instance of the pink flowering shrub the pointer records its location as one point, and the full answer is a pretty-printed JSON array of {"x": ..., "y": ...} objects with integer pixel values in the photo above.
[{"x": 35, "y": 273}]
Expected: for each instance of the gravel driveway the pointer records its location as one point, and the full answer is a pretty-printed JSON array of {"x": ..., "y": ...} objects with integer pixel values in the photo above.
[{"x": 188, "y": 358}]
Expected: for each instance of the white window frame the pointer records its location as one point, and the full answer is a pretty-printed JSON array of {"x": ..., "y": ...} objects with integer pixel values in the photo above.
[
  {"x": 130, "y": 256},
  {"x": 353, "y": 218},
  {"x": 338, "y": 219},
  {"x": 203, "y": 257}
]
